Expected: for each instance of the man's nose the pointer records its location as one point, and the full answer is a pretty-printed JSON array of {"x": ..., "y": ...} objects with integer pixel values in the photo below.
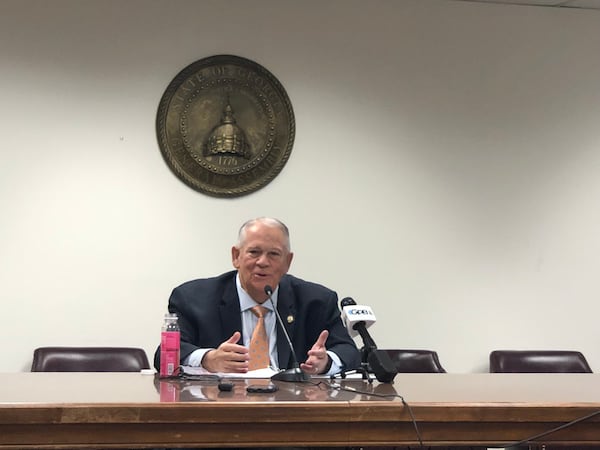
[{"x": 262, "y": 260}]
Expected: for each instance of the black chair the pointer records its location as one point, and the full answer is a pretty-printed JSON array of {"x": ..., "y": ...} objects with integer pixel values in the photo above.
[
  {"x": 538, "y": 361},
  {"x": 415, "y": 361},
  {"x": 89, "y": 359}
]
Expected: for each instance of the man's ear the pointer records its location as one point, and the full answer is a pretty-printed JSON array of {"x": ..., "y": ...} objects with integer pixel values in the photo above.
[
  {"x": 235, "y": 257},
  {"x": 290, "y": 256}
]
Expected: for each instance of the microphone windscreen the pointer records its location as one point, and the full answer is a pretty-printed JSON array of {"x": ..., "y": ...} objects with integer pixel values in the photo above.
[{"x": 347, "y": 301}]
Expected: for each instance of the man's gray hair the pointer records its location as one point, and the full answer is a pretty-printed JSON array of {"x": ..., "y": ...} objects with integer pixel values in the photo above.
[{"x": 269, "y": 221}]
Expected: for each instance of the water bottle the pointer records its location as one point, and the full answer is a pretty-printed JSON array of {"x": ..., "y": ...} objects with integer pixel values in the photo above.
[{"x": 169, "y": 345}]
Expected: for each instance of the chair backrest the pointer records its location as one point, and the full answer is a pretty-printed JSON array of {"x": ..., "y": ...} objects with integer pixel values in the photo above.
[
  {"x": 415, "y": 361},
  {"x": 538, "y": 361},
  {"x": 89, "y": 359}
]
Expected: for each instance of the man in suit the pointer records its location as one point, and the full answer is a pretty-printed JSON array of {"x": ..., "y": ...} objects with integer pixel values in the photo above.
[{"x": 216, "y": 320}]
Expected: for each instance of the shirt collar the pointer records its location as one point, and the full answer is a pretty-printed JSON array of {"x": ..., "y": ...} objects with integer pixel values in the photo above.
[{"x": 247, "y": 302}]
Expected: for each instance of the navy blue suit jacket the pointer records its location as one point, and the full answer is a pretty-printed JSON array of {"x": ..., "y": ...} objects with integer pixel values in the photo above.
[{"x": 209, "y": 313}]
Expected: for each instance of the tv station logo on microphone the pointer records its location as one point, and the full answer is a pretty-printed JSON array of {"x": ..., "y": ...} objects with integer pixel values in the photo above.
[
  {"x": 355, "y": 316},
  {"x": 359, "y": 312},
  {"x": 362, "y": 311}
]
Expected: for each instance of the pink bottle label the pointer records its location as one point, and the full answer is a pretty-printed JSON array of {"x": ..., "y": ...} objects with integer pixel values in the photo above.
[
  {"x": 169, "y": 340},
  {"x": 169, "y": 352}
]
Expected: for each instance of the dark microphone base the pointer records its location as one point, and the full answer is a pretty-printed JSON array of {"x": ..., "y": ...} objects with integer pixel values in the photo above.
[{"x": 291, "y": 375}]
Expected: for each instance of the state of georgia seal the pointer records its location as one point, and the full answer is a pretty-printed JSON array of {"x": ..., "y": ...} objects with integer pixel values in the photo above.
[{"x": 225, "y": 126}]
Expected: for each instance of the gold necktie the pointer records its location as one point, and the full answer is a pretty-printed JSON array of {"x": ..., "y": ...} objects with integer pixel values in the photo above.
[{"x": 259, "y": 343}]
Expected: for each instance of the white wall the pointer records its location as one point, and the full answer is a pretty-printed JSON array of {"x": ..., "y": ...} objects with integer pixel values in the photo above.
[{"x": 445, "y": 169}]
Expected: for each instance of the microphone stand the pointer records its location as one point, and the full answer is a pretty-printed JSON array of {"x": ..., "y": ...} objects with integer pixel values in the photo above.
[
  {"x": 368, "y": 347},
  {"x": 295, "y": 374},
  {"x": 372, "y": 359},
  {"x": 365, "y": 351},
  {"x": 364, "y": 368}
]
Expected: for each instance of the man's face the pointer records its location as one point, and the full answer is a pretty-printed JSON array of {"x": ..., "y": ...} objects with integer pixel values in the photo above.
[{"x": 261, "y": 260}]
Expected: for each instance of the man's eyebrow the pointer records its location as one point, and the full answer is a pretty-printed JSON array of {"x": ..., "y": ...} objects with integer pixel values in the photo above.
[{"x": 268, "y": 249}]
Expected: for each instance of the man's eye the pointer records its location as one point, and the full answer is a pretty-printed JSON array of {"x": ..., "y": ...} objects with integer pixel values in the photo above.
[{"x": 254, "y": 252}]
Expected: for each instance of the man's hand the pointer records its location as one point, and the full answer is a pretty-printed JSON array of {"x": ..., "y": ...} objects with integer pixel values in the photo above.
[
  {"x": 318, "y": 359},
  {"x": 228, "y": 357}
]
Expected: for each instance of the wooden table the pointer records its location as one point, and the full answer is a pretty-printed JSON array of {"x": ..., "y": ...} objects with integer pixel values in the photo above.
[{"x": 130, "y": 410}]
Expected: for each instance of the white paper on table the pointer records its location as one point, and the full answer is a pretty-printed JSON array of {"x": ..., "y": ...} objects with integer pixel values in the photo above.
[{"x": 258, "y": 373}]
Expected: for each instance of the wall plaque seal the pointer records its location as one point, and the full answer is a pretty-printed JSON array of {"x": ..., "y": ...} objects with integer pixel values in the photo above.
[{"x": 225, "y": 126}]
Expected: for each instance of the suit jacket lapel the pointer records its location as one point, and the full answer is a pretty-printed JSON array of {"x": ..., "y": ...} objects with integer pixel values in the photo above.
[
  {"x": 286, "y": 305},
  {"x": 229, "y": 310}
]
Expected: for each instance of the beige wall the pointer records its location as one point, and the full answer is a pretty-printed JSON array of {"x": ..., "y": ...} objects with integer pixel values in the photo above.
[{"x": 445, "y": 168}]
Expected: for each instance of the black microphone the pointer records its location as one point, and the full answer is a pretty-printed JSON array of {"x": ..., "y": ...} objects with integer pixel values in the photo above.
[
  {"x": 357, "y": 319},
  {"x": 295, "y": 374}
]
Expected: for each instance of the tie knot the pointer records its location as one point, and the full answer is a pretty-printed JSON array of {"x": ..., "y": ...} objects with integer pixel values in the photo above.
[{"x": 259, "y": 311}]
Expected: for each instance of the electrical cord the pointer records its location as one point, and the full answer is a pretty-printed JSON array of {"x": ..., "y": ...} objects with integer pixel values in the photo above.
[
  {"x": 180, "y": 374},
  {"x": 333, "y": 385},
  {"x": 553, "y": 430}
]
